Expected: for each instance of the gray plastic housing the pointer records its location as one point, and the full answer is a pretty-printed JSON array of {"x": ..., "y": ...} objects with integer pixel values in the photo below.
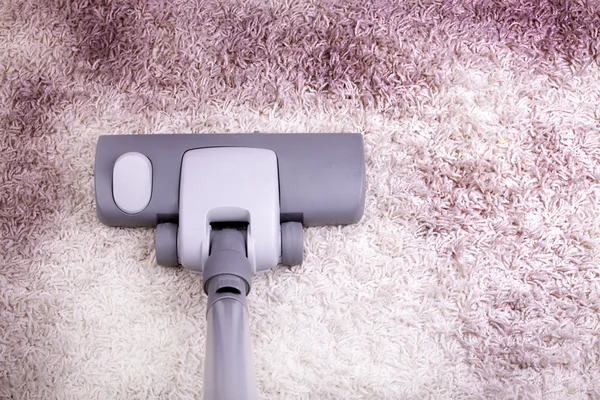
[
  {"x": 229, "y": 362},
  {"x": 292, "y": 243},
  {"x": 321, "y": 175}
]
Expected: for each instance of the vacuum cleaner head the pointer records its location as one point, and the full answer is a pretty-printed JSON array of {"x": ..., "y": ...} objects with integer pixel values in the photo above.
[
  {"x": 228, "y": 206},
  {"x": 187, "y": 184}
]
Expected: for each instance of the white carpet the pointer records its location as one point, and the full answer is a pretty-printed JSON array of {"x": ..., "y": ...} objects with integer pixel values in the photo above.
[{"x": 473, "y": 274}]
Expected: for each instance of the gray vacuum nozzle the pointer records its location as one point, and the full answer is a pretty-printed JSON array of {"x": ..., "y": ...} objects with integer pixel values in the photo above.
[
  {"x": 185, "y": 184},
  {"x": 229, "y": 206},
  {"x": 321, "y": 176}
]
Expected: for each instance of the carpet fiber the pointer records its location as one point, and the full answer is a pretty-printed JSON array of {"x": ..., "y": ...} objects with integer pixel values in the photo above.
[{"x": 473, "y": 274}]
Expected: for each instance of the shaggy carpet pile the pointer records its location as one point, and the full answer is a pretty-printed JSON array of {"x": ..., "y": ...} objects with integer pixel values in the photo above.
[{"x": 474, "y": 274}]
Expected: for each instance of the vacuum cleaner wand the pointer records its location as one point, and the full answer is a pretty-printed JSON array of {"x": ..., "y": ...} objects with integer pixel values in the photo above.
[
  {"x": 229, "y": 206},
  {"x": 228, "y": 367}
]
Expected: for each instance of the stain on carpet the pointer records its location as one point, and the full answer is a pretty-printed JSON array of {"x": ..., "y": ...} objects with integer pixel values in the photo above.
[
  {"x": 32, "y": 184},
  {"x": 551, "y": 28}
]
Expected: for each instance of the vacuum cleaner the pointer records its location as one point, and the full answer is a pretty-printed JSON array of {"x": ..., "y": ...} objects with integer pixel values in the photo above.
[{"x": 229, "y": 206}]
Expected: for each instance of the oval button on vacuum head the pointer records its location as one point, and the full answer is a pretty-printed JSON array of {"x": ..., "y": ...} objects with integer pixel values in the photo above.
[{"x": 132, "y": 182}]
